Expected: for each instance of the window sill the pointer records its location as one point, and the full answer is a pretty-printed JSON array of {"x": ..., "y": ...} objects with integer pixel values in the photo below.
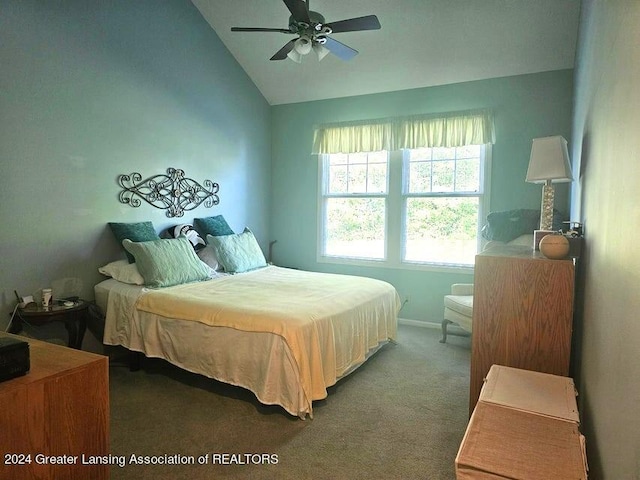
[{"x": 427, "y": 267}]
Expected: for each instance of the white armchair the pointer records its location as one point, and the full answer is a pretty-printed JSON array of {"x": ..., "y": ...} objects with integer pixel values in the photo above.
[
  {"x": 458, "y": 309},
  {"x": 458, "y": 306}
]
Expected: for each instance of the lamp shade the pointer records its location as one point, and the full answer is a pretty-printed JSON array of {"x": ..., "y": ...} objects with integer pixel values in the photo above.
[
  {"x": 321, "y": 51},
  {"x": 549, "y": 161},
  {"x": 303, "y": 45},
  {"x": 295, "y": 56}
]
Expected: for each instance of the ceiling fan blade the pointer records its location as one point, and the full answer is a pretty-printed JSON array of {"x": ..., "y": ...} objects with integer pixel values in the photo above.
[
  {"x": 370, "y": 22},
  {"x": 298, "y": 10},
  {"x": 340, "y": 50},
  {"x": 282, "y": 53},
  {"x": 253, "y": 29}
]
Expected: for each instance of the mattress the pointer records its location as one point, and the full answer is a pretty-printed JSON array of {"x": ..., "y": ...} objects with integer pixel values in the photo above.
[{"x": 250, "y": 353}]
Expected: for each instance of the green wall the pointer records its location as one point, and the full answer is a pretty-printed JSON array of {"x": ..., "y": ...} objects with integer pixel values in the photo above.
[
  {"x": 607, "y": 198},
  {"x": 91, "y": 90},
  {"x": 525, "y": 107}
]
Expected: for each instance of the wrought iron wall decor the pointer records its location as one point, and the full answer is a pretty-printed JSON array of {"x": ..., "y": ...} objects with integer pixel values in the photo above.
[{"x": 172, "y": 192}]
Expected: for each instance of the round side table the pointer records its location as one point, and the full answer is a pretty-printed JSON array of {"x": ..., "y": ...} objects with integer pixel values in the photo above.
[{"x": 74, "y": 318}]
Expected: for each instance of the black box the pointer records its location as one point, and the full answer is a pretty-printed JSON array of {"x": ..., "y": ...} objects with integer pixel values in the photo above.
[{"x": 14, "y": 358}]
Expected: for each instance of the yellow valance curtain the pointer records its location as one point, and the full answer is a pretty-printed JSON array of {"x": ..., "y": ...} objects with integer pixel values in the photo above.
[{"x": 443, "y": 130}]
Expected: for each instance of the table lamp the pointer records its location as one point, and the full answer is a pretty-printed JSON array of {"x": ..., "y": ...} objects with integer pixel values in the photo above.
[{"x": 548, "y": 164}]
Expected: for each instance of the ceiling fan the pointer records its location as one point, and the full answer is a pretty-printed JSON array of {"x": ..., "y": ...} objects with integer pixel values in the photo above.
[{"x": 314, "y": 34}]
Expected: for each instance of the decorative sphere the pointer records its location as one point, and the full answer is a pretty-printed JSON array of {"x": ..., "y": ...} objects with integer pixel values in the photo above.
[{"x": 554, "y": 246}]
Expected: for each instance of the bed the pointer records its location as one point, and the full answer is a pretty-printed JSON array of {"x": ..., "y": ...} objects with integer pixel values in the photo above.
[{"x": 284, "y": 334}]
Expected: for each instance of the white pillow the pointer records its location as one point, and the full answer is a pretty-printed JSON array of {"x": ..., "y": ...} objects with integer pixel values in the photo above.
[
  {"x": 208, "y": 256},
  {"x": 126, "y": 272},
  {"x": 123, "y": 271}
]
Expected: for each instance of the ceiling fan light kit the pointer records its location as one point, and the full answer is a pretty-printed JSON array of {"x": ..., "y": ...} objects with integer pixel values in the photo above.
[
  {"x": 320, "y": 51},
  {"x": 302, "y": 45},
  {"x": 295, "y": 56},
  {"x": 314, "y": 34}
]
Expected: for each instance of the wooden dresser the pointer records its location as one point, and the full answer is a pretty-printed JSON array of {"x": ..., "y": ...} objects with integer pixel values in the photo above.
[
  {"x": 57, "y": 411},
  {"x": 522, "y": 313}
]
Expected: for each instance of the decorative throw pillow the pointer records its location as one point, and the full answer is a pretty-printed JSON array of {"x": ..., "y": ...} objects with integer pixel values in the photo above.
[
  {"x": 167, "y": 262},
  {"x": 188, "y": 231},
  {"x": 208, "y": 256},
  {"x": 136, "y": 232},
  {"x": 123, "y": 271},
  {"x": 214, "y": 226},
  {"x": 238, "y": 252}
]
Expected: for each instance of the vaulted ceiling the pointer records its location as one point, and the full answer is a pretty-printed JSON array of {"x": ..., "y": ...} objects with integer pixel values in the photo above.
[{"x": 421, "y": 43}]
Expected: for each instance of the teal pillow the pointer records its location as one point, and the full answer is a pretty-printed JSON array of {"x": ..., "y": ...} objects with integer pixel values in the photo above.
[
  {"x": 167, "y": 262},
  {"x": 238, "y": 252},
  {"x": 214, "y": 226},
  {"x": 136, "y": 232}
]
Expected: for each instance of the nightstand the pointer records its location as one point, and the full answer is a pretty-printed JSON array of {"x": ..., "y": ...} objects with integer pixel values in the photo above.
[{"x": 74, "y": 318}]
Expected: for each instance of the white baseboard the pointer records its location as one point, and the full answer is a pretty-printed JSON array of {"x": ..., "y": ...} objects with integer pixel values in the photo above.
[{"x": 419, "y": 323}]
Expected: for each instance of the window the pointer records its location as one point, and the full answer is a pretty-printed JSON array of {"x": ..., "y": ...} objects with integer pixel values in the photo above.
[
  {"x": 355, "y": 205},
  {"x": 408, "y": 207},
  {"x": 441, "y": 193}
]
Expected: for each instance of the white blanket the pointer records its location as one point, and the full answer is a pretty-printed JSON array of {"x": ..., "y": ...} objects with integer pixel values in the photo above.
[
  {"x": 342, "y": 338},
  {"x": 329, "y": 324}
]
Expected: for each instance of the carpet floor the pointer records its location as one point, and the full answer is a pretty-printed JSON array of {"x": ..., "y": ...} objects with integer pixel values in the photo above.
[{"x": 401, "y": 415}]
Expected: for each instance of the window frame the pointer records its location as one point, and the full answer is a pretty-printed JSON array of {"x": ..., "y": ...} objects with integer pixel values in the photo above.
[
  {"x": 394, "y": 245},
  {"x": 406, "y": 195},
  {"x": 323, "y": 188}
]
